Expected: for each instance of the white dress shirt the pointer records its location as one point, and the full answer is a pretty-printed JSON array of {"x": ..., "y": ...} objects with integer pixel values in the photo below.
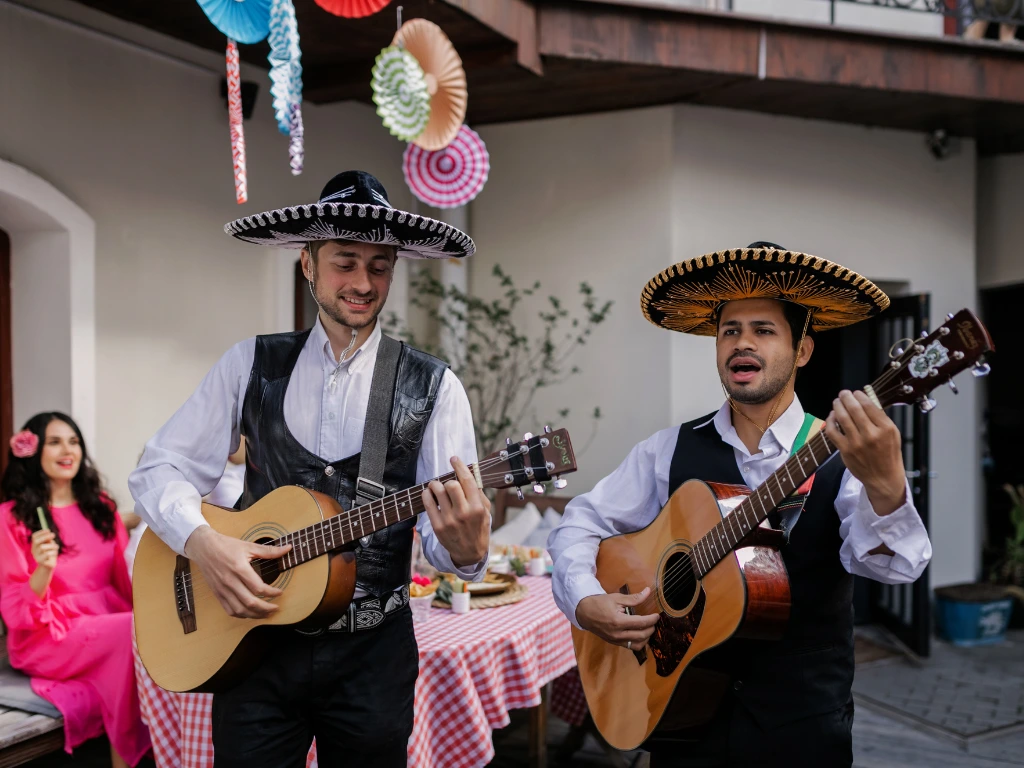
[
  {"x": 324, "y": 408},
  {"x": 633, "y": 495}
]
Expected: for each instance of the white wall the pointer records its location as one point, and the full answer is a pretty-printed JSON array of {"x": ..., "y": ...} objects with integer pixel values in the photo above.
[
  {"x": 1000, "y": 220},
  {"x": 587, "y": 199},
  {"x": 141, "y": 144},
  {"x": 41, "y": 374},
  {"x": 615, "y": 198}
]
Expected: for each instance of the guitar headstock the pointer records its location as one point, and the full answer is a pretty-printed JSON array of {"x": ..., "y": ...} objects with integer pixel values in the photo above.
[
  {"x": 534, "y": 460},
  {"x": 926, "y": 363}
]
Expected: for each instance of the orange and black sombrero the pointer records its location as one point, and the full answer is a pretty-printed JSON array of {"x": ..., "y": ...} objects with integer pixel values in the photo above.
[{"x": 687, "y": 296}]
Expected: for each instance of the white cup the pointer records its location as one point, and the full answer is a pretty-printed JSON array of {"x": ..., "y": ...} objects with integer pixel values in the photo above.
[
  {"x": 460, "y": 602},
  {"x": 421, "y": 607},
  {"x": 537, "y": 567}
]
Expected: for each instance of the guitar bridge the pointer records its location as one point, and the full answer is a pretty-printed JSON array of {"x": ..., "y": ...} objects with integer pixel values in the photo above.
[
  {"x": 641, "y": 655},
  {"x": 183, "y": 594}
]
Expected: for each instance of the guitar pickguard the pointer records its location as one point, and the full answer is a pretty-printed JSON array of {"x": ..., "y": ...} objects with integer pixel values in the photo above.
[{"x": 673, "y": 636}]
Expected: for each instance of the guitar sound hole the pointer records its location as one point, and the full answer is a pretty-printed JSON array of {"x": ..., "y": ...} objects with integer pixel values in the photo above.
[
  {"x": 268, "y": 570},
  {"x": 677, "y": 581}
]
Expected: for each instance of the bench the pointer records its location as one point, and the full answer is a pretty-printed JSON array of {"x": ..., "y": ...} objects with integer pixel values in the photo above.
[{"x": 24, "y": 736}]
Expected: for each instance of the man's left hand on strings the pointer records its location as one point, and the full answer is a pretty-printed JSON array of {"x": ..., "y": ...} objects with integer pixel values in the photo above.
[
  {"x": 460, "y": 515},
  {"x": 871, "y": 447}
]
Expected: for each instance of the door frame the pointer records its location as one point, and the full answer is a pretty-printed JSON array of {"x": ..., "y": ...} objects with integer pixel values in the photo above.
[{"x": 6, "y": 366}]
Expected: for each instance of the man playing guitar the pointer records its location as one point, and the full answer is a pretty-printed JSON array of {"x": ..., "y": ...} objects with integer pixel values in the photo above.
[
  {"x": 789, "y": 702},
  {"x": 301, "y": 400}
]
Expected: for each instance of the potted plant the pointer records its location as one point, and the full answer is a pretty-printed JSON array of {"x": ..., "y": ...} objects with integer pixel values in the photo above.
[{"x": 978, "y": 614}]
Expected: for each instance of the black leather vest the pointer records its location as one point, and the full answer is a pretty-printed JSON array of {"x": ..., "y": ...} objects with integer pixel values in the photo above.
[
  {"x": 810, "y": 670},
  {"x": 273, "y": 457}
]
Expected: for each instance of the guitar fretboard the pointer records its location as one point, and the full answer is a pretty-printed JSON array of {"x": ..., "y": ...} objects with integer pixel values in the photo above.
[
  {"x": 734, "y": 527},
  {"x": 334, "y": 532}
]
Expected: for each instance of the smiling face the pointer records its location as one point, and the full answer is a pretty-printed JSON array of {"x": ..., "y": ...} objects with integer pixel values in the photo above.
[
  {"x": 755, "y": 350},
  {"x": 351, "y": 280},
  {"x": 61, "y": 453}
]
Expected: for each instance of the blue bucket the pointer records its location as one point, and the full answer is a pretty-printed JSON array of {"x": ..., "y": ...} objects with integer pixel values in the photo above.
[{"x": 971, "y": 622}]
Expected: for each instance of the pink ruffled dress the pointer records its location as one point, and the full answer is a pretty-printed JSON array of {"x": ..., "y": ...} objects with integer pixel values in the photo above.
[{"x": 76, "y": 640}]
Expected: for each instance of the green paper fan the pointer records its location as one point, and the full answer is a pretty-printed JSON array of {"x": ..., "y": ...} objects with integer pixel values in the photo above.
[{"x": 400, "y": 93}]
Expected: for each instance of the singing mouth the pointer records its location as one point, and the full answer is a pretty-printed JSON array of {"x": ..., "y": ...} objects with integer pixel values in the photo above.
[
  {"x": 744, "y": 369},
  {"x": 66, "y": 463}
]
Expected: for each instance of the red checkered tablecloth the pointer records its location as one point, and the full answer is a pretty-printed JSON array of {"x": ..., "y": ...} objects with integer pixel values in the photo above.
[{"x": 474, "y": 668}]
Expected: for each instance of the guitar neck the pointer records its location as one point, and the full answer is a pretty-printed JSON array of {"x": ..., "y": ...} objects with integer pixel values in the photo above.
[
  {"x": 726, "y": 535},
  {"x": 346, "y": 527}
]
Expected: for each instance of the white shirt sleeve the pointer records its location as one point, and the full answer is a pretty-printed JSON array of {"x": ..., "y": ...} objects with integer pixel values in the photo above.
[
  {"x": 449, "y": 432},
  {"x": 186, "y": 458},
  {"x": 862, "y": 530},
  {"x": 625, "y": 501}
]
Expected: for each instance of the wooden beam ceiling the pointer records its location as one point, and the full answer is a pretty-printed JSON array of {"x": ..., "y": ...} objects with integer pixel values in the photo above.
[{"x": 528, "y": 59}]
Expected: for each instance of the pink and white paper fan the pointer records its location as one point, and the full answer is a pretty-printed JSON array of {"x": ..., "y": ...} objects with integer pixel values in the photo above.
[{"x": 449, "y": 177}]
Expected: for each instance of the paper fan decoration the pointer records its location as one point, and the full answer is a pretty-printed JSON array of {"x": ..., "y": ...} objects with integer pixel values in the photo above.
[
  {"x": 449, "y": 177},
  {"x": 400, "y": 93},
  {"x": 245, "y": 21},
  {"x": 235, "y": 121},
  {"x": 296, "y": 145},
  {"x": 352, "y": 9},
  {"x": 446, "y": 80}
]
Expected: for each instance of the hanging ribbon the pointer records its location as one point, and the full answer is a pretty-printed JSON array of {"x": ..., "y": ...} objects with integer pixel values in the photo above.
[
  {"x": 234, "y": 77},
  {"x": 296, "y": 149},
  {"x": 286, "y": 77}
]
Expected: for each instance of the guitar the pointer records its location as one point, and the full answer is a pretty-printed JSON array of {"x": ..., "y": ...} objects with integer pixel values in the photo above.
[
  {"x": 714, "y": 577},
  {"x": 186, "y": 640}
]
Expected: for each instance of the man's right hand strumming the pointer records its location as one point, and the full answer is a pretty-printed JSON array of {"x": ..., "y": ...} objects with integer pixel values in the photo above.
[
  {"x": 606, "y": 617},
  {"x": 225, "y": 563}
]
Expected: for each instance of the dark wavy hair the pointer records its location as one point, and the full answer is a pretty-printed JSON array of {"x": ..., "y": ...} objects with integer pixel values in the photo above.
[{"x": 25, "y": 483}]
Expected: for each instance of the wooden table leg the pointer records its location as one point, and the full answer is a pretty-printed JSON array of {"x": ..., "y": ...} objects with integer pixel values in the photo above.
[{"x": 538, "y": 732}]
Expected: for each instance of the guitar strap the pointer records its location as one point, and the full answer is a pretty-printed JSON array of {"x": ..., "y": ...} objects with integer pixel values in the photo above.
[
  {"x": 785, "y": 516},
  {"x": 377, "y": 427}
]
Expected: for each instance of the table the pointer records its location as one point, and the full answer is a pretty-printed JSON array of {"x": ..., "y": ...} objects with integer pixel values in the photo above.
[{"x": 474, "y": 668}]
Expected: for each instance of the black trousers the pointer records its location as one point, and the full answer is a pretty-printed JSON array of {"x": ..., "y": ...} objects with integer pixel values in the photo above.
[
  {"x": 353, "y": 692},
  {"x": 735, "y": 740}
]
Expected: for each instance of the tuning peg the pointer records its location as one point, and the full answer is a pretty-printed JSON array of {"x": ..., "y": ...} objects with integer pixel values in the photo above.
[
  {"x": 952, "y": 385},
  {"x": 949, "y": 315},
  {"x": 519, "y": 493},
  {"x": 981, "y": 369},
  {"x": 527, "y": 435},
  {"x": 508, "y": 442},
  {"x": 559, "y": 483},
  {"x": 924, "y": 334},
  {"x": 547, "y": 430},
  {"x": 926, "y": 405},
  {"x": 538, "y": 489}
]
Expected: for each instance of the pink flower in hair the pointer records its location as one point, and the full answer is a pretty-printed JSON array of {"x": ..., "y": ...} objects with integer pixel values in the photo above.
[{"x": 24, "y": 444}]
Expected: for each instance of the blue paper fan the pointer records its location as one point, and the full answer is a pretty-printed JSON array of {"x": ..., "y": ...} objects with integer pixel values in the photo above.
[
  {"x": 285, "y": 60},
  {"x": 245, "y": 21}
]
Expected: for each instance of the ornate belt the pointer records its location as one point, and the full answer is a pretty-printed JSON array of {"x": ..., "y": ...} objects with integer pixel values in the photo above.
[{"x": 365, "y": 613}]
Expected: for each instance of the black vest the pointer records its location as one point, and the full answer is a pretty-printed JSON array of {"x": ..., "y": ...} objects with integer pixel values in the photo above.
[
  {"x": 273, "y": 457},
  {"x": 809, "y": 671}
]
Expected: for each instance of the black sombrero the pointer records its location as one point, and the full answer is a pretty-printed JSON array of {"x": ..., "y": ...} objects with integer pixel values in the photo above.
[
  {"x": 686, "y": 297},
  {"x": 354, "y": 206}
]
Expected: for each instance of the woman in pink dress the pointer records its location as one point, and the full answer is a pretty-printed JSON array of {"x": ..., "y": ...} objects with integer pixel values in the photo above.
[{"x": 65, "y": 592}]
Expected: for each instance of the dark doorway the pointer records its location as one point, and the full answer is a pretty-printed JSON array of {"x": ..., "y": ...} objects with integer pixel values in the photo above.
[
  {"x": 849, "y": 358},
  {"x": 6, "y": 372},
  {"x": 1004, "y": 416}
]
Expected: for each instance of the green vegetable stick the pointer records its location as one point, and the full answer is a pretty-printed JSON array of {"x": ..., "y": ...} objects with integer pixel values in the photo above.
[{"x": 42, "y": 519}]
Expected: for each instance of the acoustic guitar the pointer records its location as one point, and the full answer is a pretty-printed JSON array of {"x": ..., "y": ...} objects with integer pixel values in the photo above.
[
  {"x": 713, "y": 576},
  {"x": 186, "y": 640}
]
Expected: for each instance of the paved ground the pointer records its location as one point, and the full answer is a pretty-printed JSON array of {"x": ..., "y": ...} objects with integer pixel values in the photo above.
[{"x": 961, "y": 709}]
